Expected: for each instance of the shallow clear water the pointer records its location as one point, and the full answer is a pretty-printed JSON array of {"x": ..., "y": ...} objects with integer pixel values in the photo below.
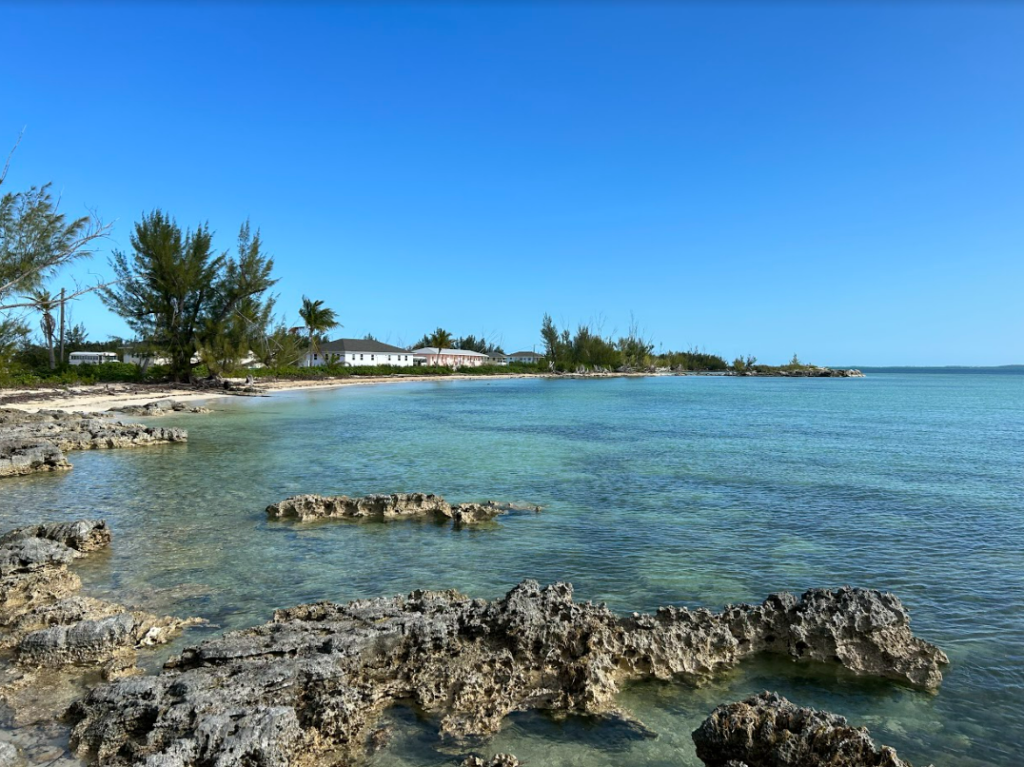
[{"x": 687, "y": 491}]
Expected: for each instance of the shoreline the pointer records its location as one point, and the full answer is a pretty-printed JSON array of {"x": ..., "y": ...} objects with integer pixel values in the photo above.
[{"x": 100, "y": 397}]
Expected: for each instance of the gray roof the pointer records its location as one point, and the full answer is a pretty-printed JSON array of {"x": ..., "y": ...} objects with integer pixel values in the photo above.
[
  {"x": 527, "y": 354},
  {"x": 349, "y": 345},
  {"x": 449, "y": 352}
]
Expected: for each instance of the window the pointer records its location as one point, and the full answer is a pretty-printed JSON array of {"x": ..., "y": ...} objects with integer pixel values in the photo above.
[
  {"x": 360, "y": 356},
  {"x": 314, "y": 356}
]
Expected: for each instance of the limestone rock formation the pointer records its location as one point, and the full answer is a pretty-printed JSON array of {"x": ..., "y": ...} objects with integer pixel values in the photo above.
[
  {"x": 387, "y": 507},
  {"x": 49, "y": 627},
  {"x": 30, "y": 456},
  {"x": 315, "y": 679},
  {"x": 36, "y": 442},
  {"x": 769, "y": 731},
  {"x": 159, "y": 407}
]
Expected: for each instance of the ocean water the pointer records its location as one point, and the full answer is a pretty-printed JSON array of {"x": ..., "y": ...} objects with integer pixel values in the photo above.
[{"x": 685, "y": 491}]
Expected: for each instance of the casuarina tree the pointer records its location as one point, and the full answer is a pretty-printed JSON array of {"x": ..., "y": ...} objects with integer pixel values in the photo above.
[{"x": 176, "y": 292}]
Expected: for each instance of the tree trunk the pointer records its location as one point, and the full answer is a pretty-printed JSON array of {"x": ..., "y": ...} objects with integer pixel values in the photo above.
[{"x": 62, "y": 326}]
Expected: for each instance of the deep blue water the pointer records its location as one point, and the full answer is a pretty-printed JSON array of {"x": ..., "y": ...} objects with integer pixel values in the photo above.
[{"x": 689, "y": 491}]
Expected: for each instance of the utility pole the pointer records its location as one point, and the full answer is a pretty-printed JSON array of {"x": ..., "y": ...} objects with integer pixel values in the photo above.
[{"x": 62, "y": 326}]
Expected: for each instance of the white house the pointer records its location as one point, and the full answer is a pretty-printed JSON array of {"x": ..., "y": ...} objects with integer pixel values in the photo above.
[
  {"x": 91, "y": 358},
  {"x": 530, "y": 357},
  {"x": 355, "y": 352},
  {"x": 144, "y": 359},
  {"x": 497, "y": 358},
  {"x": 452, "y": 358}
]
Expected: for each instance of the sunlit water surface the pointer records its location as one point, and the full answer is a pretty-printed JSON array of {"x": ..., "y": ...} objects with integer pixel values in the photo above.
[{"x": 685, "y": 491}]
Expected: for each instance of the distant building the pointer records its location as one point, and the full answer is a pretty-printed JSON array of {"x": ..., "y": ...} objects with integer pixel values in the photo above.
[
  {"x": 355, "y": 352},
  {"x": 91, "y": 358},
  {"x": 452, "y": 358},
  {"x": 530, "y": 357},
  {"x": 497, "y": 358},
  {"x": 143, "y": 359}
]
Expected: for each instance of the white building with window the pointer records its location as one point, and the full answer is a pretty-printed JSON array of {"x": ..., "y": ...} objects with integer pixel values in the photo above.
[
  {"x": 357, "y": 352},
  {"x": 530, "y": 357},
  {"x": 91, "y": 358},
  {"x": 452, "y": 358}
]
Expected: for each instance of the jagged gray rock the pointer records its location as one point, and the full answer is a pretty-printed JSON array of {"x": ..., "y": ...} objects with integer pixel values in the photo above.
[
  {"x": 36, "y": 442},
  {"x": 159, "y": 407},
  {"x": 82, "y": 535},
  {"x": 769, "y": 731},
  {"x": 388, "y": 507},
  {"x": 315, "y": 679},
  {"x": 50, "y": 627},
  {"x": 26, "y": 455}
]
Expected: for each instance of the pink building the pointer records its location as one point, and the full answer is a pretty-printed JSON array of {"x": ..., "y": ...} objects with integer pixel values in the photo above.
[{"x": 452, "y": 358}]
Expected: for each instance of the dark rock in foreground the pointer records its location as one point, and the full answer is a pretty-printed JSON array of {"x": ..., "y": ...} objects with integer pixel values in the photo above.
[
  {"x": 36, "y": 442},
  {"x": 20, "y": 456},
  {"x": 769, "y": 731},
  {"x": 58, "y": 637},
  {"x": 386, "y": 507},
  {"x": 315, "y": 679}
]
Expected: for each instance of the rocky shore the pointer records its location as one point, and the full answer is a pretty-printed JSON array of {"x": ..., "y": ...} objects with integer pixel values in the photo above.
[
  {"x": 36, "y": 442},
  {"x": 315, "y": 679},
  {"x": 769, "y": 731},
  {"x": 383, "y": 508},
  {"x": 159, "y": 407},
  {"x": 54, "y": 638}
]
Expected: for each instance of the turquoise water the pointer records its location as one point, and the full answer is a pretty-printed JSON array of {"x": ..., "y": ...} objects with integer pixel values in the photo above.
[{"x": 687, "y": 491}]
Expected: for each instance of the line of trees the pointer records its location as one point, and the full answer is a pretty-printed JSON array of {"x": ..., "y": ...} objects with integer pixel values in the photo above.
[
  {"x": 587, "y": 349},
  {"x": 442, "y": 339}
]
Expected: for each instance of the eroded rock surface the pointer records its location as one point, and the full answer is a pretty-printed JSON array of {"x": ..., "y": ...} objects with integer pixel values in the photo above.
[
  {"x": 55, "y": 635},
  {"x": 316, "y": 678},
  {"x": 387, "y": 507},
  {"x": 159, "y": 407},
  {"x": 20, "y": 456},
  {"x": 498, "y": 760},
  {"x": 769, "y": 731},
  {"x": 36, "y": 442}
]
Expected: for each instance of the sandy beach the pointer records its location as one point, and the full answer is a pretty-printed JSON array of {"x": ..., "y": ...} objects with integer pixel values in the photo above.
[{"x": 95, "y": 398}]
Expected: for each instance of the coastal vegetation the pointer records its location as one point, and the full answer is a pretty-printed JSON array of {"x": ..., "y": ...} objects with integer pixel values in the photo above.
[
  {"x": 182, "y": 297},
  {"x": 198, "y": 312}
]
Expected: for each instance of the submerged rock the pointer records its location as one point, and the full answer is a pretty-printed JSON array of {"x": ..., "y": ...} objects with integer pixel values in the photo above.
[
  {"x": 769, "y": 731},
  {"x": 50, "y": 628},
  {"x": 36, "y": 442},
  {"x": 316, "y": 678},
  {"x": 387, "y": 507},
  {"x": 498, "y": 760}
]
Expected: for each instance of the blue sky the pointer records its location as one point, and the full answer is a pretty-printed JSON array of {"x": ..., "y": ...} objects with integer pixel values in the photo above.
[{"x": 845, "y": 181}]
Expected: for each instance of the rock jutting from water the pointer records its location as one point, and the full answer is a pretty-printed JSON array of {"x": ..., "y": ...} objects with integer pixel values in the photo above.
[
  {"x": 36, "y": 442},
  {"x": 55, "y": 636},
  {"x": 159, "y": 407},
  {"x": 316, "y": 678},
  {"x": 383, "y": 508},
  {"x": 769, "y": 731}
]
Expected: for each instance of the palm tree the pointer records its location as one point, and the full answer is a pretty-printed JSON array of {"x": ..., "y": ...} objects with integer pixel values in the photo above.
[
  {"x": 440, "y": 338},
  {"x": 317, "y": 318},
  {"x": 44, "y": 303}
]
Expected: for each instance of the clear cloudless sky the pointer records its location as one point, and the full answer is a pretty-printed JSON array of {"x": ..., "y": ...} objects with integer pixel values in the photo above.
[{"x": 841, "y": 180}]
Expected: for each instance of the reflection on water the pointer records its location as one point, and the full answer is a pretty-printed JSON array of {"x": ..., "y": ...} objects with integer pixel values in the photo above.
[{"x": 687, "y": 491}]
